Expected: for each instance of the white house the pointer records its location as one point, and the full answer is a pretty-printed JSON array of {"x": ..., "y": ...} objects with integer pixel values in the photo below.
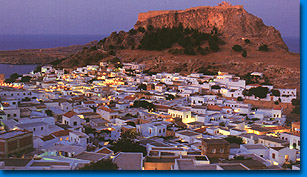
[
  {"x": 280, "y": 155},
  {"x": 183, "y": 113},
  {"x": 258, "y": 149},
  {"x": 152, "y": 129},
  {"x": 294, "y": 139},
  {"x": 188, "y": 136},
  {"x": 78, "y": 138},
  {"x": 72, "y": 119},
  {"x": 107, "y": 113}
]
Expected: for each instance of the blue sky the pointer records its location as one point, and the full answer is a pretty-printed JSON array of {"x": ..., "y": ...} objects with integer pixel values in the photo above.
[{"x": 105, "y": 16}]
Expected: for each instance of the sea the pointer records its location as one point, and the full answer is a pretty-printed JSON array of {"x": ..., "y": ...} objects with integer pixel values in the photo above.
[{"x": 41, "y": 41}]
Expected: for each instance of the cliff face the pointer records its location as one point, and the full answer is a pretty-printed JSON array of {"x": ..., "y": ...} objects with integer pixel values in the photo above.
[{"x": 231, "y": 21}]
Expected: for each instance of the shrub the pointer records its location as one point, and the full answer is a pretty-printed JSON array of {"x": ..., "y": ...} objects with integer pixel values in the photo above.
[
  {"x": 240, "y": 98},
  {"x": 234, "y": 139},
  {"x": 275, "y": 92},
  {"x": 189, "y": 51},
  {"x": 237, "y": 48},
  {"x": 132, "y": 32},
  {"x": 264, "y": 48},
  {"x": 111, "y": 47},
  {"x": 112, "y": 52},
  {"x": 49, "y": 112},
  {"x": 141, "y": 29},
  {"x": 244, "y": 54},
  {"x": 25, "y": 79},
  {"x": 247, "y": 41},
  {"x": 215, "y": 87}
]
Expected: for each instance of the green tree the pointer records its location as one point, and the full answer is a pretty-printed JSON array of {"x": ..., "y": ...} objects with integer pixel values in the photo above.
[
  {"x": 213, "y": 45},
  {"x": 127, "y": 143},
  {"x": 131, "y": 123},
  {"x": 141, "y": 29},
  {"x": 275, "y": 92},
  {"x": 237, "y": 48},
  {"x": 37, "y": 69},
  {"x": 143, "y": 104},
  {"x": 264, "y": 48},
  {"x": 215, "y": 87},
  {"x": 170, "y": 97},
  {"x": 112, "y": 52},
  {"x": 49, "y": 112},
  {"x": 14, "y": 76},
  {"x": 142, "y": 87},
  {"x": 260, "y": 92},
  {"x": 297, "y": 108},
  {"x": 132, "y": 32},
  {"x": 234, "y": 139},
  {"x": 104, "y": 164},
  {"x": 240, "y": 98},
  {"x": 244, "y": 54},
  {"x": 94, "y": 47},
  {"x": 25, "y": 79},
  {"x": 247, "y": 41}
]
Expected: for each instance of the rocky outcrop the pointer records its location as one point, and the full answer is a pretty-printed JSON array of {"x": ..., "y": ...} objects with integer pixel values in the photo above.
[
  {"x": 232, "y": 22},
  {"x": 41, "y": 56}
]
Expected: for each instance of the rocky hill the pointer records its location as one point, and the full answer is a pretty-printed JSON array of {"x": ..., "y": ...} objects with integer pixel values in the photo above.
[
  {"x": 200, "y": 39},
  {"x": 41, "y": 56},
  {"x": 232, "y": 21}
]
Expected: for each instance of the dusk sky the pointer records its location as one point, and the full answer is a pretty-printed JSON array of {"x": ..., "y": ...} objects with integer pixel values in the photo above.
[{"x": 105, "y": 16}]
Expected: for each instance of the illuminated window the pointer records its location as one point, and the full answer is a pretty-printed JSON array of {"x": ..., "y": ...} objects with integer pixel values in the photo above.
[
  {"x": 61, "y": 139},
  {"x": 213, "y": 150}
]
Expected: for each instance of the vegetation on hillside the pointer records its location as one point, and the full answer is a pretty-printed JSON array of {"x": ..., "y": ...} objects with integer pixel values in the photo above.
[
  {"x": 127, "y": 143},
  {"x": 258, "y": 92},
  {"x": 263, "y": 48},
  {"x": 188, "y": 38}
]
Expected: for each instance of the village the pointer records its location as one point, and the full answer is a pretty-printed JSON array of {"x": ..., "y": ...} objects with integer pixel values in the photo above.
[{"x": 65, "y": 119}]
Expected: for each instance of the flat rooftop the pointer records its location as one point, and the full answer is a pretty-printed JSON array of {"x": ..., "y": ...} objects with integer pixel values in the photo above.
[{"x": 11, "y": 134}]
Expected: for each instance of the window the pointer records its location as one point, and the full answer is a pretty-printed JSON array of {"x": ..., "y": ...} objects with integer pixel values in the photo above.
[
  {"x": 213, "y": 150},
  {"x": 273, "y": 155},
  {"x": 24, "y": 93},
  {"x": 9, "y": 115},
  {"x": 163, "y": 130},
  {"x": 221, "y": 150},
  {"x": 61, "y": 139},
  {"x": 33, "y": 129},
  {"x": 42, "y": 128},
  {"x": 299, "y": 143},
  {"x": 14, "y": 103},
  {"x": 15, "y": 115},
  {"x": 159, "y": 130},
  {"x": 75, "y": 123}
]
